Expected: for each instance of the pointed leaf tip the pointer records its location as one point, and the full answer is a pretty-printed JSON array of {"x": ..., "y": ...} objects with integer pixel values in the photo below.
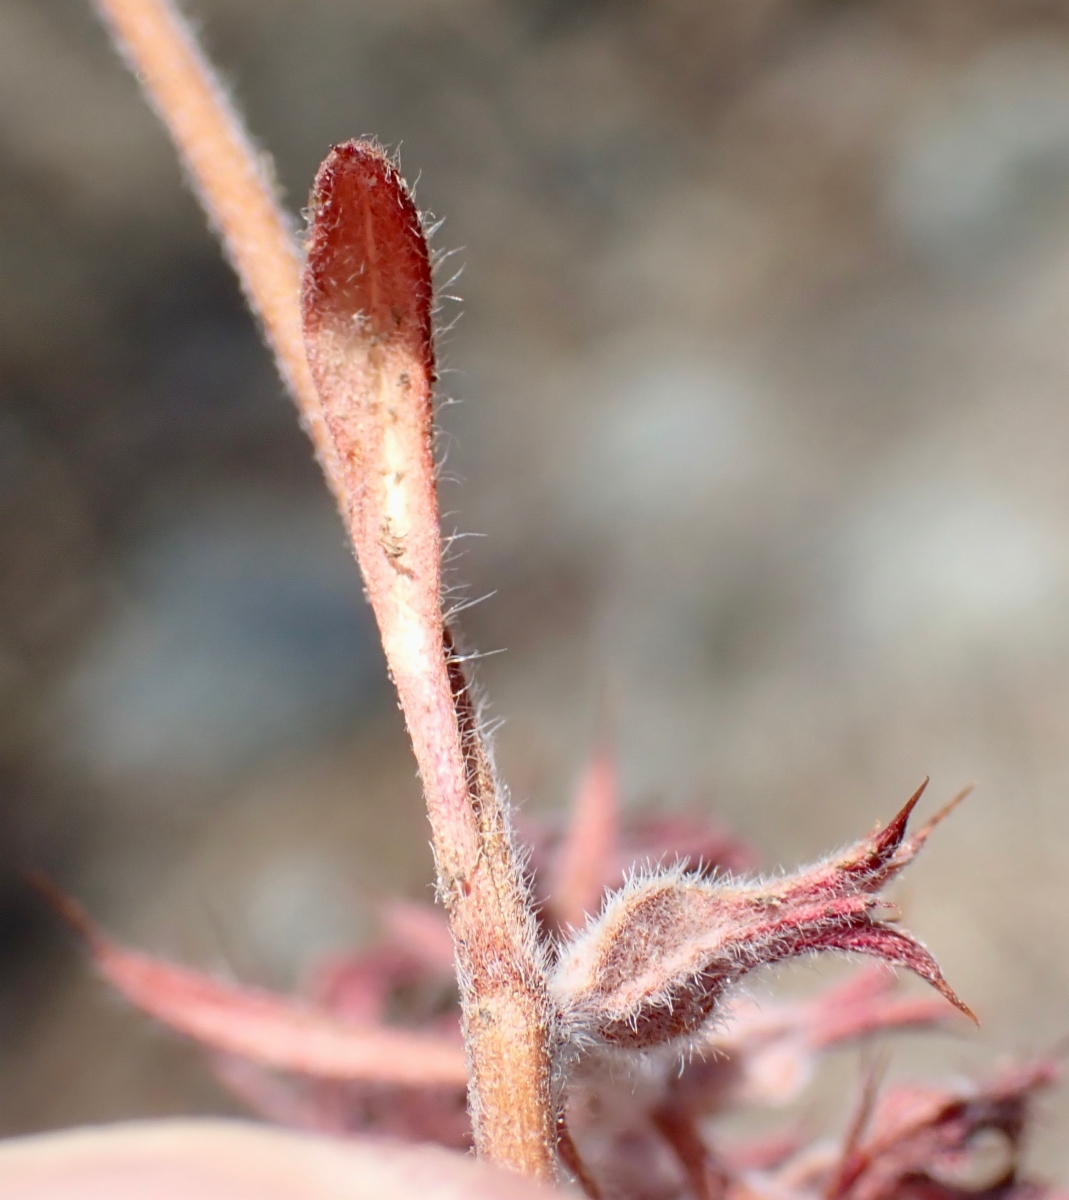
[
  {"x": 889, "y": 839},
  {"x": 922, "y": 834},
  {"x": 272, "y": 1030},
  {"x": 900, "y": 949}
]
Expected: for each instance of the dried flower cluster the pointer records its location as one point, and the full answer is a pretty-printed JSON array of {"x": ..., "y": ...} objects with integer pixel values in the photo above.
[{"x": 497, "y": 1025}]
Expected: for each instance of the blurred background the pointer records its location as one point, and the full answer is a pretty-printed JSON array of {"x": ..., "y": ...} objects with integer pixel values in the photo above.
[{"x": 763, "y": 367}]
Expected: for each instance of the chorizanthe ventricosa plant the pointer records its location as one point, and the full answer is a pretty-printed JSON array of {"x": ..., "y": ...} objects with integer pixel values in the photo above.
[{"x": 601, "y": 1051}]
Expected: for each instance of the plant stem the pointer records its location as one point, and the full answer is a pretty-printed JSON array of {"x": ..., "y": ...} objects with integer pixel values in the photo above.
[
  {"x": 232, "y": 181},
  {"x": 366, "y": 299},
  {"x": 507, "y": 1011}
]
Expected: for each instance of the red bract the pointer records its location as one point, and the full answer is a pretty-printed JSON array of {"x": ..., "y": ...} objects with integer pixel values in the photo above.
[
  {"x": 656, "y": 963},
  {"x": 581, "y": 872},
  {"x": 272, "y": 1030}
]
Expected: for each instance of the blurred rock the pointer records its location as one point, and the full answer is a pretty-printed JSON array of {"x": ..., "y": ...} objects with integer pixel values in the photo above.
[
  {"x": 663, "y": 443},
  {"x": 242, "y": 632},
  {"x": 948, "y": 573},
  {"x": 981, "y": 165}
]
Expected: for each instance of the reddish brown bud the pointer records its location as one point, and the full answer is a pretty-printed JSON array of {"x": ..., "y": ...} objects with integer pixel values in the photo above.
[{"x": 656, "y": 963}]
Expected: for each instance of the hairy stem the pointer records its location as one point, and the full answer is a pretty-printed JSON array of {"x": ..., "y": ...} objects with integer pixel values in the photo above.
[
  {"x": 366, "y": 298},
  {"x": 232, "y": 181},
  {"x": 366, "y": 404}
]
